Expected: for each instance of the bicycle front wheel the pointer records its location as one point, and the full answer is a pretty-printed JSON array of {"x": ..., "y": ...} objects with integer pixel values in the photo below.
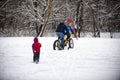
[
  {"x": 56, "y": 45},
  {"x": 71, "y": 43}
]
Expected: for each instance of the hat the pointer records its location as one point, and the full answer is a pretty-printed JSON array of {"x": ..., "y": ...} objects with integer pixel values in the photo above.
[{"x": 35, "y": 39}]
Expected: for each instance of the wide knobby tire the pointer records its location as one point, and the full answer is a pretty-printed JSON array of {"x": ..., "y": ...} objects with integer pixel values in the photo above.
[
  {"x": 55, "y": 45},
  {"x": 71, "y": 43}
]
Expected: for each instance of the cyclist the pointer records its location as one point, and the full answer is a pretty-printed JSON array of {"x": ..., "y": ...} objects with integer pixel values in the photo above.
[
  {"x": 70, "y": 31},
  {"x": 60, "y": 33}
]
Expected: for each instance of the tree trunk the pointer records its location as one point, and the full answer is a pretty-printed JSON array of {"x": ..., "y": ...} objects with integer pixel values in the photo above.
[
  {"x": 79, "y": 16},
  {"x": 47, "y": 18}
]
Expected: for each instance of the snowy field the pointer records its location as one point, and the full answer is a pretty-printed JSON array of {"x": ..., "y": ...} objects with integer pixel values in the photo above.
[{"x": 91, "y": 59}]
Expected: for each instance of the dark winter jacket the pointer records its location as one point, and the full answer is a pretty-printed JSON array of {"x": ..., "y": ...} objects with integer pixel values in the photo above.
[
  {"x": 36, "y": 45},
  {"x": 61, "y": 27}
]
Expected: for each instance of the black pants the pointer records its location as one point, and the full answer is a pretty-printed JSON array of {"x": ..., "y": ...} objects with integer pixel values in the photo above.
[
  {"x": 68, "y": 35},
  {"x": 36, "y": 57}
]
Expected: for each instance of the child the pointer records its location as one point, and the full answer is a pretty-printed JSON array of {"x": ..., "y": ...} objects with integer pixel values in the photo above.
[{"x": 36, "y": 50}]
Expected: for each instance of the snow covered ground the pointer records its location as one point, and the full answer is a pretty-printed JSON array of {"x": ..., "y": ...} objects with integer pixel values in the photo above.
[{"x": 91, "y": 59}]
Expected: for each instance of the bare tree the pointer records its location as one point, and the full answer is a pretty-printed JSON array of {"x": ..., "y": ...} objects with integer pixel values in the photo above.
[
  {"x": 113, "y": 16},
  {"x": 79, "y": 16},
  {"x": 48, "y": 8}
]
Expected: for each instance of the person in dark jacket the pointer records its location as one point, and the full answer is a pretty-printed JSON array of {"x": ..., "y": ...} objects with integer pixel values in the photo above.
[
  {"x": 36, "y": 49},
  {"x": 60, "y": 33}
]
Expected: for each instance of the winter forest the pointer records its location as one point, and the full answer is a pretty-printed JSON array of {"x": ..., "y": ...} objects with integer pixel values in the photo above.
[
  {"x": 94, "y": 54},
  {"x": 38, "y": 17}
]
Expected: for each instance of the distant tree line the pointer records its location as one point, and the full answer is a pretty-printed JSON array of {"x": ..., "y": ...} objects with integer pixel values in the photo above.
[{"x": 36, "y": 17}]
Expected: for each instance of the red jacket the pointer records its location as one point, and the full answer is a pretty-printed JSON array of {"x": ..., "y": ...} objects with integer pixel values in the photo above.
[{"x": 36, "y": 46}]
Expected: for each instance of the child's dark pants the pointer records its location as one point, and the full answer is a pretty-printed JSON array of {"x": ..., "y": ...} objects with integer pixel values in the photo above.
[{"x": 36, "y": 57}]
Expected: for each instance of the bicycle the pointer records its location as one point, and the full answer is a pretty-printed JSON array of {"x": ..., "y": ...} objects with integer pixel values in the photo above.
[{"x": 69, "y": 43}]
